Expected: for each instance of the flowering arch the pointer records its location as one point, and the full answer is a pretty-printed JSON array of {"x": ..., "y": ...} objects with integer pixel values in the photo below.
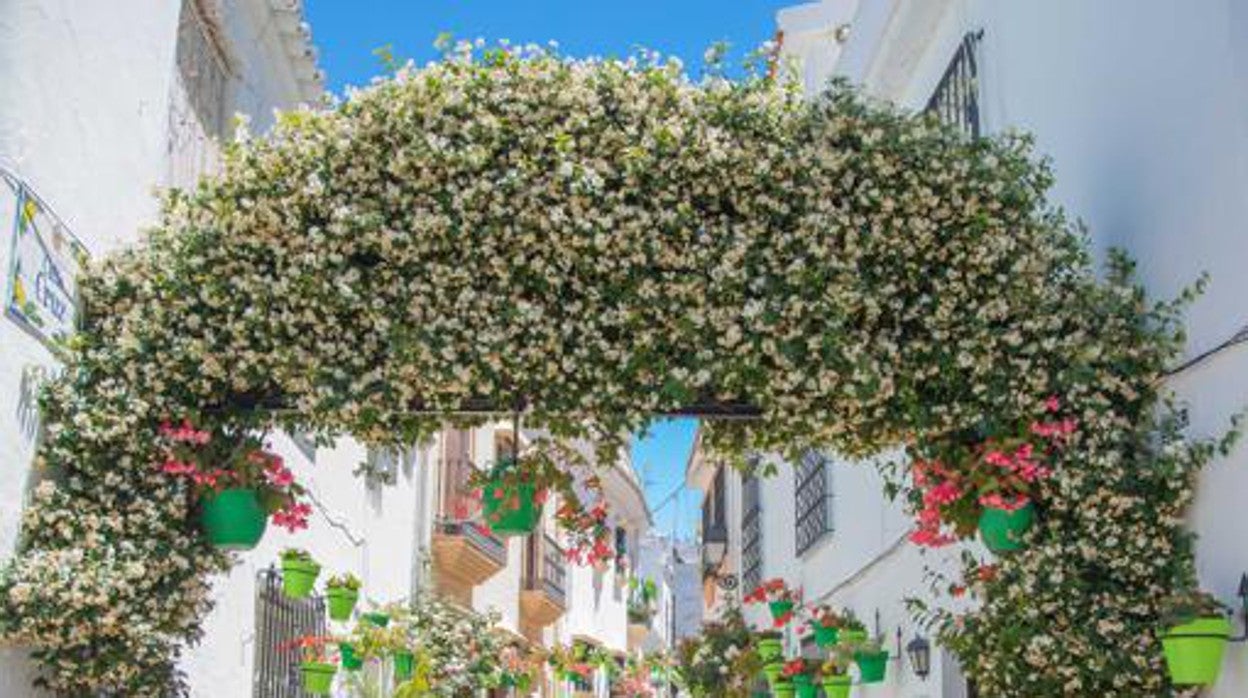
[{"x": 602, "y": 241}]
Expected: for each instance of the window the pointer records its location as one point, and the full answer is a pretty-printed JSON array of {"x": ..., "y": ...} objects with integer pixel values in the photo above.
[
  {"x": 956, "y": 98},
  {"x": 751, "y": 533},
  {"x": 280, "y": 621},
  {"x": 813, "y": 495},
  {"x": 197, "y": 108}
]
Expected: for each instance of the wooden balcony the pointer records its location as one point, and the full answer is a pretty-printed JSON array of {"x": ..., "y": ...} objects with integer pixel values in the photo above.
[
  {"x": 543, "y": 592},
  {"x": 465, "y": 552}
]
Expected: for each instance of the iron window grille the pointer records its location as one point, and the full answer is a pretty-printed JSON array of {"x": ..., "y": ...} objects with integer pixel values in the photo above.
[
  {"x": 280, "y": 621},
  {"x": 813, "y": 496},
  {"x": 751, "y": 533},
  {"x": 956, "y": 98}
]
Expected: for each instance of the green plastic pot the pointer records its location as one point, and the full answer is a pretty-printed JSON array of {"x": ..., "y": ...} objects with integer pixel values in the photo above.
[
  {"x": 514, "y": 513},
  {"x": 233, "y": 519},
  {"x": 871, "y": 666},
  {"x": 1194, "y": 650},
  {"x": 298, "y": 577},
  {"x": 826, "y": 637},
  {"x": 1002, "y": 531},
  {"x": 350, "y": 660},
  {"x": 780, "y": 609},
  {"x": 772, "y": 671},
  {"x": 318, "y": 678},
  {"x": 341, "y": 602},
  {"x": 404, "y": 662},
  {"x": 853, "y": 637},
  {"x": 377, "y": 618},
  {"x": 805, "y": 687},
  {"x": 783, "y": 689},
  {"x": 837, "y": 686},
  {"x": 770, "y": 649}
]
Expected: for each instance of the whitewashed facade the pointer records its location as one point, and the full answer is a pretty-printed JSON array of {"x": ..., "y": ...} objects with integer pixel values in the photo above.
[{"x": 1143, "y": 107}]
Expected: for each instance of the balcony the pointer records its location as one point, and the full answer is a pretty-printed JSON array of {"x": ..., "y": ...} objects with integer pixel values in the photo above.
[
  {"x": 543, "y": 593},
  {"x": 465, "y": 553}
]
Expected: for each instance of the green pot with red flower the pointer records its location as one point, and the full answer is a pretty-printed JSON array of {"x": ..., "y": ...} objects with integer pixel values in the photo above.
[
  {"x": 233, "y": 519},
  {"x": 299, "y": 573},
  {"x": 780, "y": 599},
  {"x": 1194, "y": 638},
  {"x": 511, "y": 498},
  {"x": 317, "y": 670},
  {"x": 826, "y": 624},
  {"x": 1005, "y": 521},
  {"x": 803, "y": 678},
  {"x": 342, "y": 592}
]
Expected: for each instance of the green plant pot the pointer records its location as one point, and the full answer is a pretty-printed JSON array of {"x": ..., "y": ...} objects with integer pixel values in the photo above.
[
  {"x": 341, "y": 602},
  {"x": 1002, "y": 531},
  {"x": 805, "y": 687},
  {"x": 853, "y": 637},
  {"x": 783, "y": 689},
  {"x": 871, "y": 666},
  {"x": 318, "y": 678},
  {"x": 514, "y": 513},
  {"x": 826, "y": 637},
  {"x": 347, "y": 656},
  {"x": 404, "y": 662},
  {"x": 780, "y": 609},
  {"x": 837, "y": 686},
  {"x": 377, "y": 618},
  {"x": 1194, "y": 650},
  {"x": 772, "y": 671},
  {"x": 233, "y": 519},
  {"x": 770, "y": 649},
  {"x": 298, "y": 577}
]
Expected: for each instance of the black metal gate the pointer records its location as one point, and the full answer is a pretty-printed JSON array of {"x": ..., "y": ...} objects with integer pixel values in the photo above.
[{"x": 280, "y": 622}]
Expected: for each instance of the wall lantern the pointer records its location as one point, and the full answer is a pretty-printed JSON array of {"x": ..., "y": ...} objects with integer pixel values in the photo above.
[{"x": 920, "y": 652}]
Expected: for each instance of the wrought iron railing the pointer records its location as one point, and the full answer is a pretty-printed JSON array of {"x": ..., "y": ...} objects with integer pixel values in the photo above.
[
  {"x": 956, "y": 98},
  {"x": 813, "y": 500},
  {"x": 280, "y": 622},
  {"x": 459, "y": 511}
]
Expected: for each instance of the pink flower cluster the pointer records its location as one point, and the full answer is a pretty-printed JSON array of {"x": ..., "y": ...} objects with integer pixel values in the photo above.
[
  {"x": 293, "y": 517},
  {"x": 940, "y": 488},
  {"x": 185, "y": 433}
]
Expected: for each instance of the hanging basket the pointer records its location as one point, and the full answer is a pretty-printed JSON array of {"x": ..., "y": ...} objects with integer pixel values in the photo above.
[
  {"x": 233, "y": 519},
  {"x": 837, "y": 686},
  {"x": 770, "y": 649},
  {"x": 510, "y": 510},
  {"x": 298, "y": 577},
  {"x": 341, "y": 602},
  {"x": 318, "y": 678},
  {"x": 350, "y": 660},
  {"x": 871, "y": 666},
  {"x": 404, "y": 662},
  {"x": 1194, "y": 650},
  {"x": 826, "y": 637},
  {"x": 1002, "y": 531},
  {"x": 780, "y": 610}
]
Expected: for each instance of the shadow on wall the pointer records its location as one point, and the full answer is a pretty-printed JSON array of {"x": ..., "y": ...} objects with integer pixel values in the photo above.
[{"x": 16, "y": 675}]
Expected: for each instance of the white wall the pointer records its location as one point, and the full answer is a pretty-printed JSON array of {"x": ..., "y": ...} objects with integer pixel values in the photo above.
[{"x": 1143, "y": 107}]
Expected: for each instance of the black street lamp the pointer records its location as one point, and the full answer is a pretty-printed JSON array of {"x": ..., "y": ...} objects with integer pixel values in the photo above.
[{"x": 920, "y": 652}]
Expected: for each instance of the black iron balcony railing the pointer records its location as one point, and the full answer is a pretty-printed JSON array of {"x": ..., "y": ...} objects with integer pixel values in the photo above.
[
  {"x": 545, "y": 569},
  {"x": 459, "y": 511}
]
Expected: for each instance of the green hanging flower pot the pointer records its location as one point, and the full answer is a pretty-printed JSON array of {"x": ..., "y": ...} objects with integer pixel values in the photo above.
[
  {"x": 780, "y": 609},
  {"x": 773, "y": 671},
  {"x": 837, "y": 686},
  {"x": 233, "y": 519},
  {"x": 404, "y": 662},
  {"x": 805, "y": 687},
  {"x": 377, "y": 618},
  {"x": 826, "y": 637},
  {"x": 783, "y": 688},
  {"x": 299, "y": 576},
  {"x": 347, "y": 656},
  {"x": 1193, "y": 650},
  {"x": 510, "y": 510},
  {"x": 770, "y": 649},
  {"x": 871, "y": 666},
  {"x": 318, "y": 678},
  {"x": 341, "y": 602},
  {"x": 1002, "y": 531}
]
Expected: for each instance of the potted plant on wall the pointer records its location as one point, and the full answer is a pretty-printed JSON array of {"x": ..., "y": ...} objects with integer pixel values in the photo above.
[
  {"x": 237, "y": 483},
  {"x": 827, "y": 623},
  {"x": 299, "y": 573},
  {"x": 834, "y": 675},
  {"x": 342, "y": 591},
  {"x": 804, "y": 675},
  {"x": 770, "y": 646},
  {"x": 872, "y": 660},
  {"x": 1194, "y": 637},
  {"x": 317, "y": 669},
  {"x": 780, "y": 599}
]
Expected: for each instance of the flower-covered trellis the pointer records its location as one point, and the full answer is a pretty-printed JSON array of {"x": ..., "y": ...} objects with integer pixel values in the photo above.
[{"x": 598, "y": 242}]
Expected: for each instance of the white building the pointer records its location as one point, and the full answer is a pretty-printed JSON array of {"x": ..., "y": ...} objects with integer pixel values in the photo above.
[
  {"x": 1143, "y": 107},
  {"x": 112, "y": 100}
]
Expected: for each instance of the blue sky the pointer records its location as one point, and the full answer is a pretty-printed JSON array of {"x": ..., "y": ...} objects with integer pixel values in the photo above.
[{"x": 347, "y": 33}]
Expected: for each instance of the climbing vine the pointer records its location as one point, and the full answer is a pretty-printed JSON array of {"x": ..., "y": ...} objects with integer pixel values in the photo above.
[{"x": 599, "y": 241}]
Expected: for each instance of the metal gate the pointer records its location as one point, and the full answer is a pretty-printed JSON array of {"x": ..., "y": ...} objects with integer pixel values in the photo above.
[{"x": 280, "y": 621}]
